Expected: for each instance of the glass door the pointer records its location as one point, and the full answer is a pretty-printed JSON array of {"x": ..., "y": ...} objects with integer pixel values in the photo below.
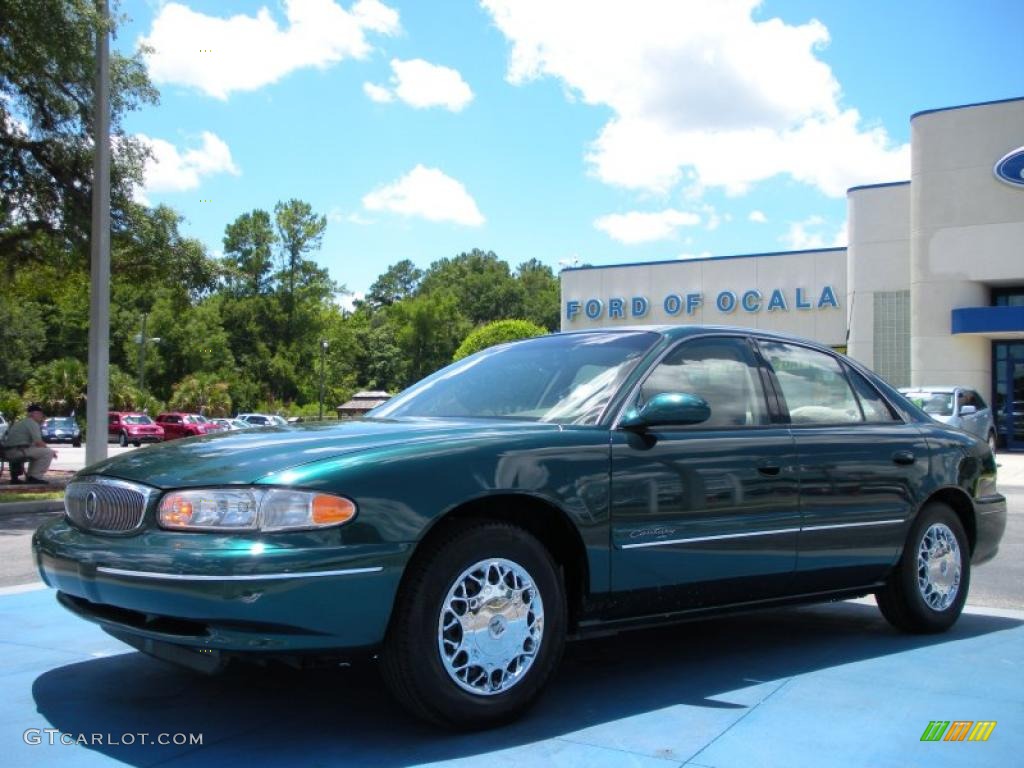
[{"x": 1009, "y": 393}]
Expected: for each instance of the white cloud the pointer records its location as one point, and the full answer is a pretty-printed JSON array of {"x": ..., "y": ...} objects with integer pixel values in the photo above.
[
  {"x": 758, "y": 217},
  {"x": 699, "y": 87},
  {"x": 173, "y": 170},
  {"x": 378, "y": 93},
  {"x": 243, "y": 53},
  {"x": 347, "y": 300},
  {"x": 812, "y": 233},
  {"x": 421, "y": 84},
  {"x": 429, "y": 194},
  {"x": 643, "y": 227}
]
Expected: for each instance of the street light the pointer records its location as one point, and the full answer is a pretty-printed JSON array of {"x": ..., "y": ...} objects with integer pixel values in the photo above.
[
  {"x": 323, "y": 355},
  {"x": 140, "y": 339}
]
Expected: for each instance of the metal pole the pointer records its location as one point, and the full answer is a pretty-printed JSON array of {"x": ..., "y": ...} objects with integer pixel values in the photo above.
[
  {"x": 98, "y": 392},
  {"x": 323, "y": 354},
  {"x": 142, "y": 355}
]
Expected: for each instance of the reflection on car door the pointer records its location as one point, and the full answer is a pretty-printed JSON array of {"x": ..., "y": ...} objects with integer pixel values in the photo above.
[
  {"x": 859, "y": 466},
  {"x": 708, "y": 513}
]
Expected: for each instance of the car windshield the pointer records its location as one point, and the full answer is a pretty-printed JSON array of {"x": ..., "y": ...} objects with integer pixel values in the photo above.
[
  {"x": 563, "y": 379},
  {"x": 933, "y": 403},
  {"x": 67, "y": 423},
  {"x": 195, "y": 419},
  {"x": 137, "y": 420}
]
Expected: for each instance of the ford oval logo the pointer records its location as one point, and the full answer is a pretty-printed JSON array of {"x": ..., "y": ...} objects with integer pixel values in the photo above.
[
  {"x": 91, "y": 502},
  {"x": 1010, "y": 168}
]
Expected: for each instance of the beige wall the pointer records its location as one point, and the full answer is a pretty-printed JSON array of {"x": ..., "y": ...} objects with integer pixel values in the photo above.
[
  {"x": 810, "y": 271},
  {"x": 878, "y": 257},
  {"x": 966, "y": 234}
]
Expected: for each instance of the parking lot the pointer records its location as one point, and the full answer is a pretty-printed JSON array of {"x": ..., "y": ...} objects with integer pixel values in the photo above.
[{"x": 822, "y": 685}]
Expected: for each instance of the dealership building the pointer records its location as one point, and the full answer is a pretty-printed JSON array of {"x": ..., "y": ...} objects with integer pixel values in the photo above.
[{"x": 929, "y": 290}]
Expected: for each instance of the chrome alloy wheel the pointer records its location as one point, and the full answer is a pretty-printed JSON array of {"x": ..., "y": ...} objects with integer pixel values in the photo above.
[
  {"x": 938, "y": 567},
  {"x": 491, "y": 626}
]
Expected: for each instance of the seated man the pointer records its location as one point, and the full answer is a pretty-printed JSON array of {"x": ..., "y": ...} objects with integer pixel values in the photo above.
[{"x": 25, "y": 441}]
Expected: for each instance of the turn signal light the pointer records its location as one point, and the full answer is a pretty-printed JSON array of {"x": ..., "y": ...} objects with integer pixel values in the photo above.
[{"x": 331, "y": 510}]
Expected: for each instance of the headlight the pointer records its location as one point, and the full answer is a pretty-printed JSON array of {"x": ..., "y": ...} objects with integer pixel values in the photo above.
[{"x": 252, "y": 509}]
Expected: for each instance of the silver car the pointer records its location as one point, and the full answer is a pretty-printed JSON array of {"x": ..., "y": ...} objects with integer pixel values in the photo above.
[{"x": 960, "y": 407}]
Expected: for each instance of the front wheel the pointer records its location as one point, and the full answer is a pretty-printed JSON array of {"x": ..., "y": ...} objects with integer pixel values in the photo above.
[
  {"x": 478, "y": 627},
  {"x": 122, "y": 440},
  {"x": 992, "y": 442},
  {"x": 927, "y": 591}
]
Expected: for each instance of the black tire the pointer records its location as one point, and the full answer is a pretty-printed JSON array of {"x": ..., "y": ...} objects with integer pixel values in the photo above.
[
  {"x": 411, "y": 660},
  {"x": 122, "y": 440},
  {"x": 137, "y": 443},
  {"x": 902, "y": 600},
  {"x": 76, "y": 443},
  {"x": 992, "y": 442}
]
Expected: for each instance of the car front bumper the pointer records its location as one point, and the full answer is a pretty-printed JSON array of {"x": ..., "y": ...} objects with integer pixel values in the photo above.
[
  {"x": 990, "y": 523},
  {"x": 223, "y": 593}
]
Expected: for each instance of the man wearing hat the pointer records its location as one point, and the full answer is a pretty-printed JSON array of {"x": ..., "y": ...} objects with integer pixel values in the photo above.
[{"x": 25, "y": 441}]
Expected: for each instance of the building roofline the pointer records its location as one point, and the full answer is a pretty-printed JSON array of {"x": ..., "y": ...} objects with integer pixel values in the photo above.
[
  {"x": 965, "y": 106},
  {"x": 876, "y": 186},
  {"x": 703, "y": 258}
]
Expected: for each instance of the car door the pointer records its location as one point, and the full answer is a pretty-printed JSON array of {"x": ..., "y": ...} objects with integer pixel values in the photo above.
[
  {"x": 709, "y": 513},
  {"x": 977, "y": 422},
  {"x": 859, "y": 468}
]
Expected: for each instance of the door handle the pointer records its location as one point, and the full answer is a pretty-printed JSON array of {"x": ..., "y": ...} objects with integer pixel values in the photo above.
[
  {"x": 904, "y": 457},
  {"x": 768, "y": 468}
]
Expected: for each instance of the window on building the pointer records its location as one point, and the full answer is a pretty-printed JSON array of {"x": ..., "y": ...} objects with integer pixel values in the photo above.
[{"x": 891, "y": 337}]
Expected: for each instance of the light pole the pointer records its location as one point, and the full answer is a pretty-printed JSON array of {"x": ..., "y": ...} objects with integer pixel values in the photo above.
[
  {"x": 140, "y": 339},
  {"x": 323, "y": 355}
]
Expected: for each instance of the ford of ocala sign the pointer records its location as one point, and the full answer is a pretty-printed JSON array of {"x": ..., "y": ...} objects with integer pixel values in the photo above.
[
  {"x": 726, "y": 302},
  {"x": 1010, "y": 168}
]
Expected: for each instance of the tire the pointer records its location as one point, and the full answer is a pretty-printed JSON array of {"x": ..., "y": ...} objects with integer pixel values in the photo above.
[
  {"x": 76, "y": 443},
  {"x": 427, "y": 660},
  {"x": 992, "y": 442},
  {"x": 122, "y": 440},
  {"x": 922, "y": 599}
]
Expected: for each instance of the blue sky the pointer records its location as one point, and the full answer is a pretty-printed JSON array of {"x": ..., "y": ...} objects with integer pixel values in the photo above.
[{"x": 604, "y": 132}]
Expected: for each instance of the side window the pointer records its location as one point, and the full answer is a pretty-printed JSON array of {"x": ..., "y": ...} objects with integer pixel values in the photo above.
[
  {"x": 723, "y": 371},
  {"x": 979, "y": 401},
  {"x": 813, "y": 385},
  {"x": 874, "y": 406}
]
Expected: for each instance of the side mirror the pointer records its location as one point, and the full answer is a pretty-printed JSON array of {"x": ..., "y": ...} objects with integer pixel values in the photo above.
[
  {"x": 668, "y": 409},
  {"x": 967, "y": 410}
]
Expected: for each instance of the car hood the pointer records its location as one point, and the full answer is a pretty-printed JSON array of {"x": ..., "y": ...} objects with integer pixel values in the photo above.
[{"x": 245, "y": 456}]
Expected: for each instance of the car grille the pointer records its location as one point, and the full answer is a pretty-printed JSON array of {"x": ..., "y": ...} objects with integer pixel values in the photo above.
[{"x": 111, "y": 506}]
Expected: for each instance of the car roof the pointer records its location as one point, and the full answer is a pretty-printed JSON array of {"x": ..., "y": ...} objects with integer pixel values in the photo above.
[{"x": 682, "y": 331}]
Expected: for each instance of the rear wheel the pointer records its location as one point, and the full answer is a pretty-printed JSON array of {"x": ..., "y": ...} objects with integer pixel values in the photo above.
[
  {"x": 122, "y": 440},
  {"x": 478, "y": 627},
  {"x": 927, "y": 591}
]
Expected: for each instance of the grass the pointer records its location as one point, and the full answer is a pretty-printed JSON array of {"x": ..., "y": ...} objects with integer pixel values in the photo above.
[{"x": 9, "y": 497}]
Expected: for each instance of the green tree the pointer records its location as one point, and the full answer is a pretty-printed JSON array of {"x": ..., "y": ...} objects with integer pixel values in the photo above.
[
  {"x": 59, "y": 386},
  {"x": 249, "y": 253},
  {"x": 498, "y": 332},
  {"x": 428, "y": 329},
  {"x": 481, "y": 284},
  {"x": 400, "y": 281},
  {"x": 541, "y": 293},
  {"x": 203, "y": 393},
  {"x": 22, "y": 334},
  {"x": 299, "y": 232},
  {"x": 47, "y": 73}
]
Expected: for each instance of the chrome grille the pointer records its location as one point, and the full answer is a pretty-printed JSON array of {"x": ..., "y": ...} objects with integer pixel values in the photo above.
[{"x": 102, "y": 504}]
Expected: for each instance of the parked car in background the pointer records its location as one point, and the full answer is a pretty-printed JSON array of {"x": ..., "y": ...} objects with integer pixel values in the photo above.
[
  {"x": 959, "y": 407},
  {"x": 62, "y": 429},
  {"x": 128, "y": 427},
  {"x": 263, "y": 419},
  {"x": 177, "y": 424},
  {"x": 231, "y": 423},
  {"x": 3, "y": 427},
  {"x": 562, "y": 486}
]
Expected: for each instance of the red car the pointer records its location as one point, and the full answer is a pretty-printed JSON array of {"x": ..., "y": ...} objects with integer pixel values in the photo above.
[
  {"x": 135, "y": 428},
  {"x": 177, "y": 424}
]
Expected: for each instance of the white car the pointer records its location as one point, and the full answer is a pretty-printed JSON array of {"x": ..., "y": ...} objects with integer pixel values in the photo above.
[
  {"x": 959, "y": 407},
  {"x": 262, "y": 420},
  {"x": 3, "y": 427},
  {"x": 232, "y": 423}
]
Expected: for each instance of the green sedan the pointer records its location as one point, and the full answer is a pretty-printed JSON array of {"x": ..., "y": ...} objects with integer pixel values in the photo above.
[{"x": 534, "y": 492}]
